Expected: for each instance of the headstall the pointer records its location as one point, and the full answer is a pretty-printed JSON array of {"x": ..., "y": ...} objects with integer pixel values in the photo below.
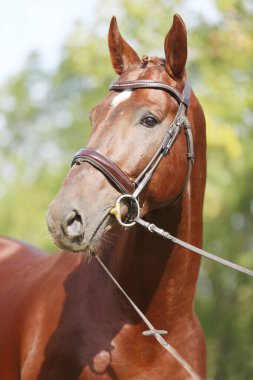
[{"x": 131, "y": 190}]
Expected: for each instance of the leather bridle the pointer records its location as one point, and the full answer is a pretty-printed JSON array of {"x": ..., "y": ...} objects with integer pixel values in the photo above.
[{"x": 131, "y": 190}]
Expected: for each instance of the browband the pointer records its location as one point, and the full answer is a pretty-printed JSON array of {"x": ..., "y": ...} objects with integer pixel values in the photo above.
[{"x": 135, "y": 84}]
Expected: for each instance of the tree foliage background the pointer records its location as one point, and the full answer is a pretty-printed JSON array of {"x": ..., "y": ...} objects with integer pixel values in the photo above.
[{"x": 44, "y": 121}]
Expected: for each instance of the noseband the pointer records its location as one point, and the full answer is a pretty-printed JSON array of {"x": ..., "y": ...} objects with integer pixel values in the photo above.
[{"x": 131, "y": 190}]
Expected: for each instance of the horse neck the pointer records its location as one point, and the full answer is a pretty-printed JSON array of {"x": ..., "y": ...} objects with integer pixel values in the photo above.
[{"x": 157, "y": 274}]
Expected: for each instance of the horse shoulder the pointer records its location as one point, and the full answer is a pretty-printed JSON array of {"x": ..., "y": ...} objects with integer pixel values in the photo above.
[{"x": 31, "y": 297}]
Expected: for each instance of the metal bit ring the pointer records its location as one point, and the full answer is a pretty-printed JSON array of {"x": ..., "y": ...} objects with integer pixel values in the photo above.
[{"x": 116, "y": 211}]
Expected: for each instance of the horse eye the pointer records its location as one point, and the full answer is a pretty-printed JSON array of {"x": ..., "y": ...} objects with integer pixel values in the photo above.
[{"x": 149, "y": 121}]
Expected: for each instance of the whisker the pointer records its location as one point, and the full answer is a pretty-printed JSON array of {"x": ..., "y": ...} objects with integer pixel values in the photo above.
[
  {"x": 108, "y": 208},
  {"x": 107, "y": 241},
  {"x": 117, "y": 234}
]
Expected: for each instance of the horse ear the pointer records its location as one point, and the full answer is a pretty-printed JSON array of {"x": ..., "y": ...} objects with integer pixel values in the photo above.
[
  {"x": 122, "y": 54},
  {"x": 175, "y": 46}
]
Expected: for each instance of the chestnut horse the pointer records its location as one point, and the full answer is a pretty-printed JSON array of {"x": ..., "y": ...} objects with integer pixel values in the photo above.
[{"x": 61, "y": 317}]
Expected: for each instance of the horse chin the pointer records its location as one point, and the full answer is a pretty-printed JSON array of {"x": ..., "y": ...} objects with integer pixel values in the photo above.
[
  {"x": 99, "y": 238},
  {"x": 72, "y": 246}
]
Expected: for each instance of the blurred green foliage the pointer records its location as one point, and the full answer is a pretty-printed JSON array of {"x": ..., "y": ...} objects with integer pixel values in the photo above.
[{"x": 44, "y": 121}]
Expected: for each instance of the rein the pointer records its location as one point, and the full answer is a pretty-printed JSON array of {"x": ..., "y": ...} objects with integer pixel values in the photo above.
[{"x": 159, "y": 231}]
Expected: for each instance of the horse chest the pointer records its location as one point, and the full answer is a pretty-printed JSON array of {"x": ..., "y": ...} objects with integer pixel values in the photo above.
[
  {"x": 86, "y": 348},
  {"x": 124, "y": 358}
]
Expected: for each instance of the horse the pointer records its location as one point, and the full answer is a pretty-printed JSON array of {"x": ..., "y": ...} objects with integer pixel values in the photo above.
[{"x": 62, "y": 318}]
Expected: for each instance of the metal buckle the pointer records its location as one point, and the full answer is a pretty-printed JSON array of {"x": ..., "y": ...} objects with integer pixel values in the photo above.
[
  {"x": 154, "y": 331},
  {"x": 116, "y": 211}
]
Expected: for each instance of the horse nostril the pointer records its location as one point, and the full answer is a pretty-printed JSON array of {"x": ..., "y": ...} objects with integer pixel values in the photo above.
[{"x": 73, "y": 225}]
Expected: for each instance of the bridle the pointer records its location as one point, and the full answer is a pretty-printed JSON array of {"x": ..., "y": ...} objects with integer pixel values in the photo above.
[{"x": 131, "y": 190}]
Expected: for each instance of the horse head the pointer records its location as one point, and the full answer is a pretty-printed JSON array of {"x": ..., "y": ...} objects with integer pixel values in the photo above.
[{"x": 128, "y": 128}]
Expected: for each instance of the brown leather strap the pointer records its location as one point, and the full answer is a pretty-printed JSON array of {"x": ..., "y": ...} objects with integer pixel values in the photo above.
[
  {"x": 111, "y": 171},
  {"x": 135, "y": 84}
]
